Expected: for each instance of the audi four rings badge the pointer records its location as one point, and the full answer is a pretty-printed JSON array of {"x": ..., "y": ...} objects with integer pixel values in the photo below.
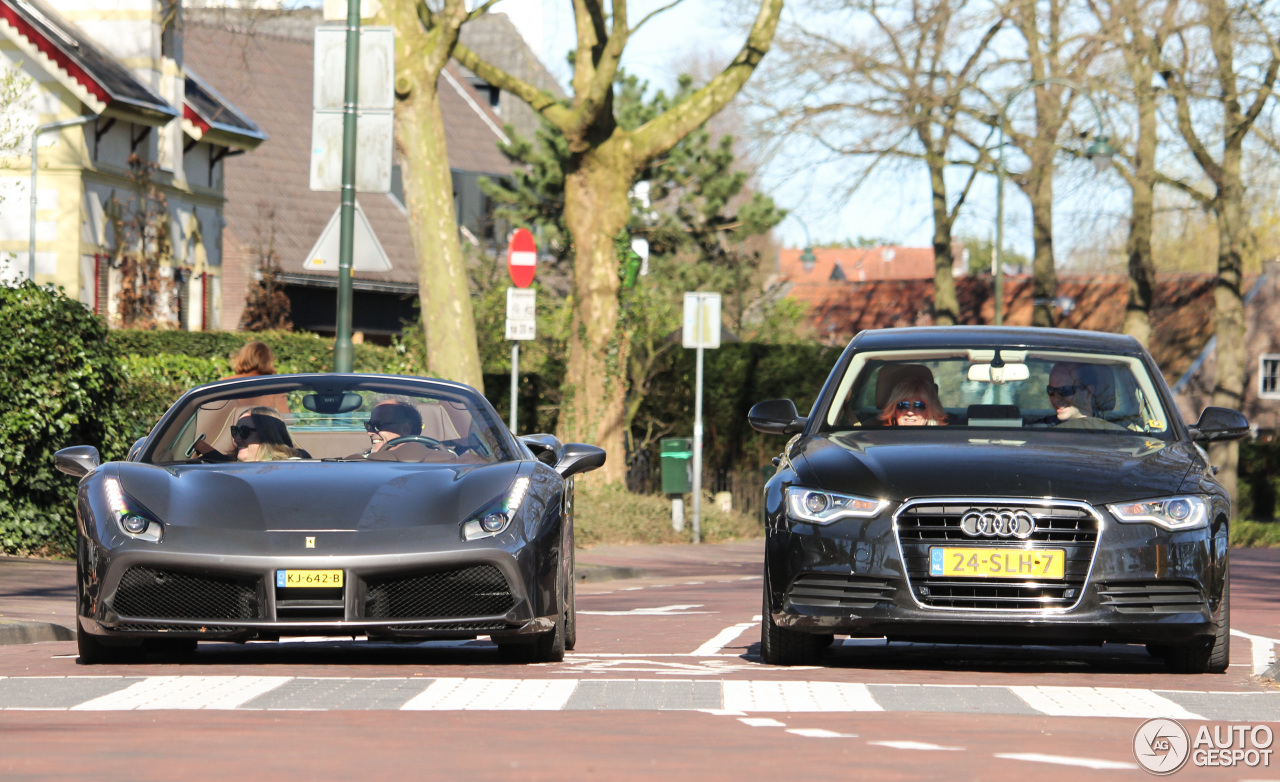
[{"x": 998, "y": 524}]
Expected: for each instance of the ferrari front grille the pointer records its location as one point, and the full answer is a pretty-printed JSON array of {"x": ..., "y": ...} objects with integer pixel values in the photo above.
[
  {"x": 924, "y": 525},
  {"x": 146, "y": 592},
  {"x": 1152, "y": 597},
  {"x": 479, "y": 590}
]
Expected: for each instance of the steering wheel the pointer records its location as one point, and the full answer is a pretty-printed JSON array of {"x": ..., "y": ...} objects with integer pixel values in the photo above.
[{"x": 430, "y": 442}]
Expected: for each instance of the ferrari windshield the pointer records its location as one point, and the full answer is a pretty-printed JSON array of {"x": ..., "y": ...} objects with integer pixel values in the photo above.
[
  {"x": 305, "y": 418},
  {"x": 999, "y": 388}
]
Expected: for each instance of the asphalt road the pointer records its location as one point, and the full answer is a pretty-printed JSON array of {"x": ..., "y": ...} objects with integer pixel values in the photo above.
[{"x": 665, "y": 683}]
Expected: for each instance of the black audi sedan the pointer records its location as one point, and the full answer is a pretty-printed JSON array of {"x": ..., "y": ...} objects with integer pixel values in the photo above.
[
  {"x": 344, "y": 505},
  {"x": 999, "y": 486}
]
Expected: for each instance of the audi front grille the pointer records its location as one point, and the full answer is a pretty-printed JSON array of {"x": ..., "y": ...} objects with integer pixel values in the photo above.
[
  {"x": 146, "y": 592},
  {"x": 1152, "y": 597},
  {"x": 835, "y": 590},
  {"x": 926, "y": 524},
  {"x": 476, "y": 591}
]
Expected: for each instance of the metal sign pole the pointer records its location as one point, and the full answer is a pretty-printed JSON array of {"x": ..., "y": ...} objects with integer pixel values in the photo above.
[
  {"x": 697, "y": 434},
  {"x": 342, "y": 347},
  {"x": 515, "y": 381}
]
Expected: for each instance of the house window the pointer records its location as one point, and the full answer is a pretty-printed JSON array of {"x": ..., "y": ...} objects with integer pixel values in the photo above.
[{"x": 1269, "y": 376}]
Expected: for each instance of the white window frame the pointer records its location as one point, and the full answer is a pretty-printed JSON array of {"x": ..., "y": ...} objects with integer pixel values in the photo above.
[{"x": 1263, "y": 359}]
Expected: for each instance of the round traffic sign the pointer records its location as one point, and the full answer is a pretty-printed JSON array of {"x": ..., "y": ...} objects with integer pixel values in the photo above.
[{"x": 522, "y": 258}]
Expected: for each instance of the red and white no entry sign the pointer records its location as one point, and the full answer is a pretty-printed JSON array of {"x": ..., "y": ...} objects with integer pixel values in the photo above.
[{"x": 522, "y": 258}]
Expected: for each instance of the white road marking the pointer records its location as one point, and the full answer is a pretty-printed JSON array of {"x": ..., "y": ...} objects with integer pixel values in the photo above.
[
  {"x": 675, "y": 610},
  {"x": 798, "y": 696},
  {"x": 722, "y": 639},
  {"x": 761, "y": 722},
  {"x": 1264, "y": 651},
  {"x": 819, "y": 733},
  {"x": 720, "y": 712},
  {"x": 492, "y": 695},
  {"x": 1101, "y": 702},
  {"x": 1063, "y": 760},
  {"x": 922, "y": 745},
  {"x": 185, "y": 692}
]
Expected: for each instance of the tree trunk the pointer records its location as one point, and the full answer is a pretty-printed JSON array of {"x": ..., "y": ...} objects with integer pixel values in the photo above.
[
  {"x": 443, "y": 291},
  {"x": 596, "y": 209},
  {"x": 1142, "y": 268},
  {"x": 1229, "y": 320},
  {"x": 945, "y": 305},
  {"x": 1044, "y": 286}
]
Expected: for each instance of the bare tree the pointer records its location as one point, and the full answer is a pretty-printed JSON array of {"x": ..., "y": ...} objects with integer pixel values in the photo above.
[
  {"x": 604, "y": 161},
  {"x": 1136, "y": 31},
  {"x": 897, "y": 92},
  {"x": 1218, "y": 96},
  {"x": 425, "y": 40}
]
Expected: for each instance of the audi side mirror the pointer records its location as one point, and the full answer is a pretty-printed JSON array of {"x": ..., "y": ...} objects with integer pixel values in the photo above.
[
  {"x": 776, "y": 416},
  {"x": 1217, "y": 424}
]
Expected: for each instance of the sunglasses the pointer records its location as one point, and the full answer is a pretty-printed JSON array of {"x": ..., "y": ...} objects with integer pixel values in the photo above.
[
  {"x": 905, "y": 405},
  {"x": 377, "y": 426},
  {"x": 242, "y": 432},
  {"x": 1063, "y": 391}
]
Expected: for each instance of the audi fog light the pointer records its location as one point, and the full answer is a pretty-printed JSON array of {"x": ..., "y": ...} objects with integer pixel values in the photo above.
[
  {"x": 1171, "y": 513},
  {"x": 824, "y": 507}
]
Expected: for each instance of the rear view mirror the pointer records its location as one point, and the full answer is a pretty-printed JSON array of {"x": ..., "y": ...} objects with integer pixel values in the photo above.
[
  {"x": 988, "y": 373},
  {"x": 333, "y": 403},
  {"x": 776, "y": 416}
]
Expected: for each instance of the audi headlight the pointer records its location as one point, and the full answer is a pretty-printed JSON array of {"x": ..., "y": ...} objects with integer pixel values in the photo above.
[
  {"x": 496, "y": 517},
  {"x": 131, "y": 522},
  {"x": 824, "y": 507},
  {"x": 1172, "y": 513}
]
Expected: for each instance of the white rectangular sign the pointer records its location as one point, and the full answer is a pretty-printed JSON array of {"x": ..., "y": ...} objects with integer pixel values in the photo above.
[
  {"x": 377, "y": 68},
  {"x": 701, "y": 320},
  {"x": 522, "y": 310},
  {"x": 374, "y": 132}
]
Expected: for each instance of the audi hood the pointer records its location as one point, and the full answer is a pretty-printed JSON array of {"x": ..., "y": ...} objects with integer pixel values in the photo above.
[{"x": 897, "y": 465}]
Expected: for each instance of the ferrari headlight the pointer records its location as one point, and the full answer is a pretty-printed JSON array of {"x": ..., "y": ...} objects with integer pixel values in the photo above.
[
  {"x": 130, "y": 521},
  {"x": 1172, "y": 513},
  {"x": 824, "y": 507},
  {"x": 497, "y": 516}
]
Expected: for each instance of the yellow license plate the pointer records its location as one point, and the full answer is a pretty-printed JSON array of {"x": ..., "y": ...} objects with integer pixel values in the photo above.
[
  {"x": 309, "y": 578},
  {"x": 997, "y": 563}
]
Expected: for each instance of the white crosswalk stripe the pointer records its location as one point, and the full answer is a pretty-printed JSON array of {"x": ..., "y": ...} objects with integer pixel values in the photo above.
[
  {"x": 492, "y": 695},
  {"x": 798, "y": 696},
  {"x": 185, "y": 692},
  {"x": 1101, "y": 702}
]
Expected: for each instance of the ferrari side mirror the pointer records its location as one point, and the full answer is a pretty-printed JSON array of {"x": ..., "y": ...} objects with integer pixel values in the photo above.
[
  {"x": 78, "y": 460},
  {"x": 579, "y": 457}
]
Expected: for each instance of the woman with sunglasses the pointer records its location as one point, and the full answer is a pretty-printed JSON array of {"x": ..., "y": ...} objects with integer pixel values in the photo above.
[
  {"x": 913, "y": 402},
  {"x": 258, "y": 435}
]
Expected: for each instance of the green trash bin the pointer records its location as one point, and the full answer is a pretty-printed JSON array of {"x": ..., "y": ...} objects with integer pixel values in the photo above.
[{"x": 676, "y": 458}]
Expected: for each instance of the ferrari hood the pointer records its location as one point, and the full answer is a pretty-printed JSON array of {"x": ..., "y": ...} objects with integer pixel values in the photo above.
[
  {"x": 314, "y": 496},
  {"x": 899, "y": 465}
]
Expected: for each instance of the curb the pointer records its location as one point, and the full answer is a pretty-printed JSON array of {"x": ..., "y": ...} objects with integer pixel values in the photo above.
[{"x": 33, "y": 633}]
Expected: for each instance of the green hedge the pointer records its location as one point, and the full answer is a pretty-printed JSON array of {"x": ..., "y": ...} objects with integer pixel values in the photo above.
[
  {"x": 294, "y": 352},
  {"x": 60, "y": 389}
]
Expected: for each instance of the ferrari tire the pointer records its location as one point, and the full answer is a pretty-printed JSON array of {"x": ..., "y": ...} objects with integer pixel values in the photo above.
[
  {"x": 1206, "y": 655},
  {"x": 546, "y": 647},
  {"x": 780, "y": 646},
  {"x": 93, "y": 650},
  {"x": 570, "y": 602}
]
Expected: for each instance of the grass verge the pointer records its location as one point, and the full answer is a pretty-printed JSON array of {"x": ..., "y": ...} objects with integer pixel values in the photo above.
[
  {"x": 611, "y": 514},
  {"x": 1255, "y": 534}
]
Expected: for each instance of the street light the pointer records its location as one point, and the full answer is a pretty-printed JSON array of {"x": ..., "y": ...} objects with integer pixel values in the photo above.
[
  {"x": 807, "y": 258},
  {"x": 1100, "y": 152}
]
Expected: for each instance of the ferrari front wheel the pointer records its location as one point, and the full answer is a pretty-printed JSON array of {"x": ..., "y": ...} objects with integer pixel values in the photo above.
[{"x": 94, "y": 650}]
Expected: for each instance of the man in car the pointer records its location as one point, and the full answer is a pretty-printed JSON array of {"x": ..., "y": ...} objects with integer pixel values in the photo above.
[
  {"x": 389, "y": 422},
  {"x": 1071, "y": 389}
]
